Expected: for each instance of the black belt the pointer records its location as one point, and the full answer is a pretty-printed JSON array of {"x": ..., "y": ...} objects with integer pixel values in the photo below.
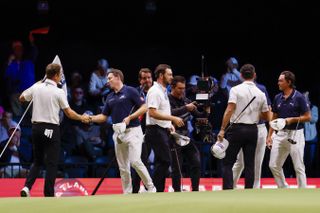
[
  {"x": 37, "y": 123},
  {"x": 292, "y": 128},
  {"x": 156, "y": 126},
  {"x": 243, "y": 124}
]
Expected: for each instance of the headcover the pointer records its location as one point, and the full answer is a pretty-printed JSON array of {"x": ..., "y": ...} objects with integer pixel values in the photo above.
[
  {"x": 181, "y": 140},
  {"x": 278, "y": 124},
  {"x": 218, "y": 149},
  {"x": 119, "y": 127}
]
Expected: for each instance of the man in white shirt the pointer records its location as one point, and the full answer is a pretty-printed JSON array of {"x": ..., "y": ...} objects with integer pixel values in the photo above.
[
  {"x": 243, "y": 131},
  {"x": 48, "y": 99},
  {"x": 158, "y": 124}
]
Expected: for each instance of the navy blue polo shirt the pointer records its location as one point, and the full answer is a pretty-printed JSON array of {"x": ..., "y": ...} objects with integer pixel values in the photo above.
[
  {"x": 119, "y": 105},
  {"x": 294, "y": 106}
]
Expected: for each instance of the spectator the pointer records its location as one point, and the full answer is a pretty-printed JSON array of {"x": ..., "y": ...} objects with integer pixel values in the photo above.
[
  {"x": 19, "y": 74},
  {"x": 231, "y": 77},
  {"x": 98, "y": 86},
  {"x": 311, "y": 136},
  {"x": 89, "y": 140},
  {"x": 11, "y": 154}
]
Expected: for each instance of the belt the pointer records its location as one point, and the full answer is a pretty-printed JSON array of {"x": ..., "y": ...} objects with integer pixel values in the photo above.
[
  {"x": 288, "y": 129},
  {"x": 243, "y": 124},
  {"x": 156, "y": 126},
  {"x": 36, "y": 123}
]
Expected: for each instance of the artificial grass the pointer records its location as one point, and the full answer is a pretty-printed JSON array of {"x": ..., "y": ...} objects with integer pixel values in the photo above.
[{"x": 243, "y": 201}]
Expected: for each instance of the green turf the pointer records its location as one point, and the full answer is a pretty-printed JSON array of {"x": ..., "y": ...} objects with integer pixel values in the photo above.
[{"x": 246, "y": 201}]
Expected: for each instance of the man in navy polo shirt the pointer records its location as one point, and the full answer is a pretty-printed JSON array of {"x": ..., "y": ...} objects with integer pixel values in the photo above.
[
  {"x": 291, "y": 105},
  {"x": 124, "y": 105}
]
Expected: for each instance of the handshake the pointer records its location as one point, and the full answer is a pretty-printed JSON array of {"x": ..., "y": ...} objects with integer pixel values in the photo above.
[{"x": 86, "y": 117}]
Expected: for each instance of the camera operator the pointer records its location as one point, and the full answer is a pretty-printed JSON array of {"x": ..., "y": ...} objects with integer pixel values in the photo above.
[
  {"x": 182, "y": 107},
  {"x": 203, "y": 95}
]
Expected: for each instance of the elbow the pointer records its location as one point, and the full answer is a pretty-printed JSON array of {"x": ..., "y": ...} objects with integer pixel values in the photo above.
[
  {"x": 144, "y": 109},
  {"x": 308, "y": 118},
  {"x": 21, "y": 98}
]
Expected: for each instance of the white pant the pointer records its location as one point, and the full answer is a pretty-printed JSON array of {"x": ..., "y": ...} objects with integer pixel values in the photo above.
[
  {"x": 259, "y": 154},
  {"x": 281, "y": 148},
  {"x": 128, "y": 153}
]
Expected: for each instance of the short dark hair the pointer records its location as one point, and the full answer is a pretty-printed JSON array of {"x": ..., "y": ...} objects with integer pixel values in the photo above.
[
  {"x": 289, "y": 76},
  {"x": 177, "y": 79},
  {"x": 117, "y": 73},
  {"x": 145, "y": 70},
  {"x": 52, "y": 70},
  {"x": 247, "y": 71},
  {"x": 161, "y": 69}
]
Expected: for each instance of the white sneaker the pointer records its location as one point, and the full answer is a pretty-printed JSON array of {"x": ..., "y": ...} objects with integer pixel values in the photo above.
[
  {"x": 25, "y": 192},
  {"x": 152, "y": 189}
]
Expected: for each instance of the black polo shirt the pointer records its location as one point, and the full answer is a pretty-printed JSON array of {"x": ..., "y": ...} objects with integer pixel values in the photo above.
[
  {"x": 294, "y": 106},
  {"x": 119, "y": 105}
]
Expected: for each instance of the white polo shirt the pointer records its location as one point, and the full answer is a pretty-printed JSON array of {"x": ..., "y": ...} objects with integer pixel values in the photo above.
[
  {"x": 48, "y": 99},
  {"x": 157, "y": 98},
  {"x": 241, "y": 95}
]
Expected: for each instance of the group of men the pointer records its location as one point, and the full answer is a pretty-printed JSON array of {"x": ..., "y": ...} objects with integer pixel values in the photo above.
[
  {"x": 248, "y": 108},
  {"x": 164, "y": 114}
]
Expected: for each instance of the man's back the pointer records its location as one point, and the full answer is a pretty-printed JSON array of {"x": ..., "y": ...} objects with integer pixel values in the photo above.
[
  {"x": 48, "y": 99},
  {"x": 242, "y": 94}
]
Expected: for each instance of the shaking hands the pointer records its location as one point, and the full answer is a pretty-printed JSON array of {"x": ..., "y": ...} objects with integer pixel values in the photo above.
[{"x": 85, "y": 118}]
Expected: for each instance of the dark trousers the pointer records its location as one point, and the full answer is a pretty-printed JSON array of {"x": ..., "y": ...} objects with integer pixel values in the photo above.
[
  {"x": 310, "y": 153},
  {"x": 240, "y": 136},
  {"x": 46, "y": 148},
  {"x": 191, "y": 153},
  {"x": 145, "y": 152},
  {"x": 158, "y": 138}
]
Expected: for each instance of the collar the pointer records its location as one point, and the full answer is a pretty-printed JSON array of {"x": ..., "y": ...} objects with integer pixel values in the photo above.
[
  {"x": 249, "y": 82},
  {"x": 293, "y": 93},
  {"x": 49, "y": 81},
  {"x": 160, "y": 86},
  {"x": 121, "y": 90}
]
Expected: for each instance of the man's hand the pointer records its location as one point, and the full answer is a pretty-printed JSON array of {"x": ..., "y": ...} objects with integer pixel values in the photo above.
[
  {"x": 127, "y": 120},
  {"x": 172, "y": 129},
  {"x": 221, "y": 135},
  {"x": 191, "y": 107},
  {"x": 177, "y": 121},
  {"x": 85, "y": 118},
  {"x": 269, "y": 142}
]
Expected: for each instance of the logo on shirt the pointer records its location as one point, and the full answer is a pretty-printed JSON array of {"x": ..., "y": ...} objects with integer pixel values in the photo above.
[
  {"x": 48, "y": 133},
  {"x": 122, "y": 97}
]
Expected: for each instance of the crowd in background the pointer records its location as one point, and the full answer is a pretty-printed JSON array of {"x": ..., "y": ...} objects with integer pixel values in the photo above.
[{"x": 88, "y": 148}]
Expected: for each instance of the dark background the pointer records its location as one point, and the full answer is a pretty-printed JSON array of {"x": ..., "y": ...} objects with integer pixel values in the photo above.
[{"x": 273, "y": 36}]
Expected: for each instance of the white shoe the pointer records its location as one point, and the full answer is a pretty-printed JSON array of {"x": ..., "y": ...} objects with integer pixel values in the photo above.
[
  {"x": 152, "y": 189},
  {"x": 25, "y": 192}
]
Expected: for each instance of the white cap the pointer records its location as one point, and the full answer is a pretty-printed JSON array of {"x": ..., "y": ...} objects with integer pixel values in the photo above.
[
  {"x": 218, "y": 149},
  {"x": 181, "y": 140},
  {"x": 278, "y": 124},
  {"x": 119, "y": 127}
]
